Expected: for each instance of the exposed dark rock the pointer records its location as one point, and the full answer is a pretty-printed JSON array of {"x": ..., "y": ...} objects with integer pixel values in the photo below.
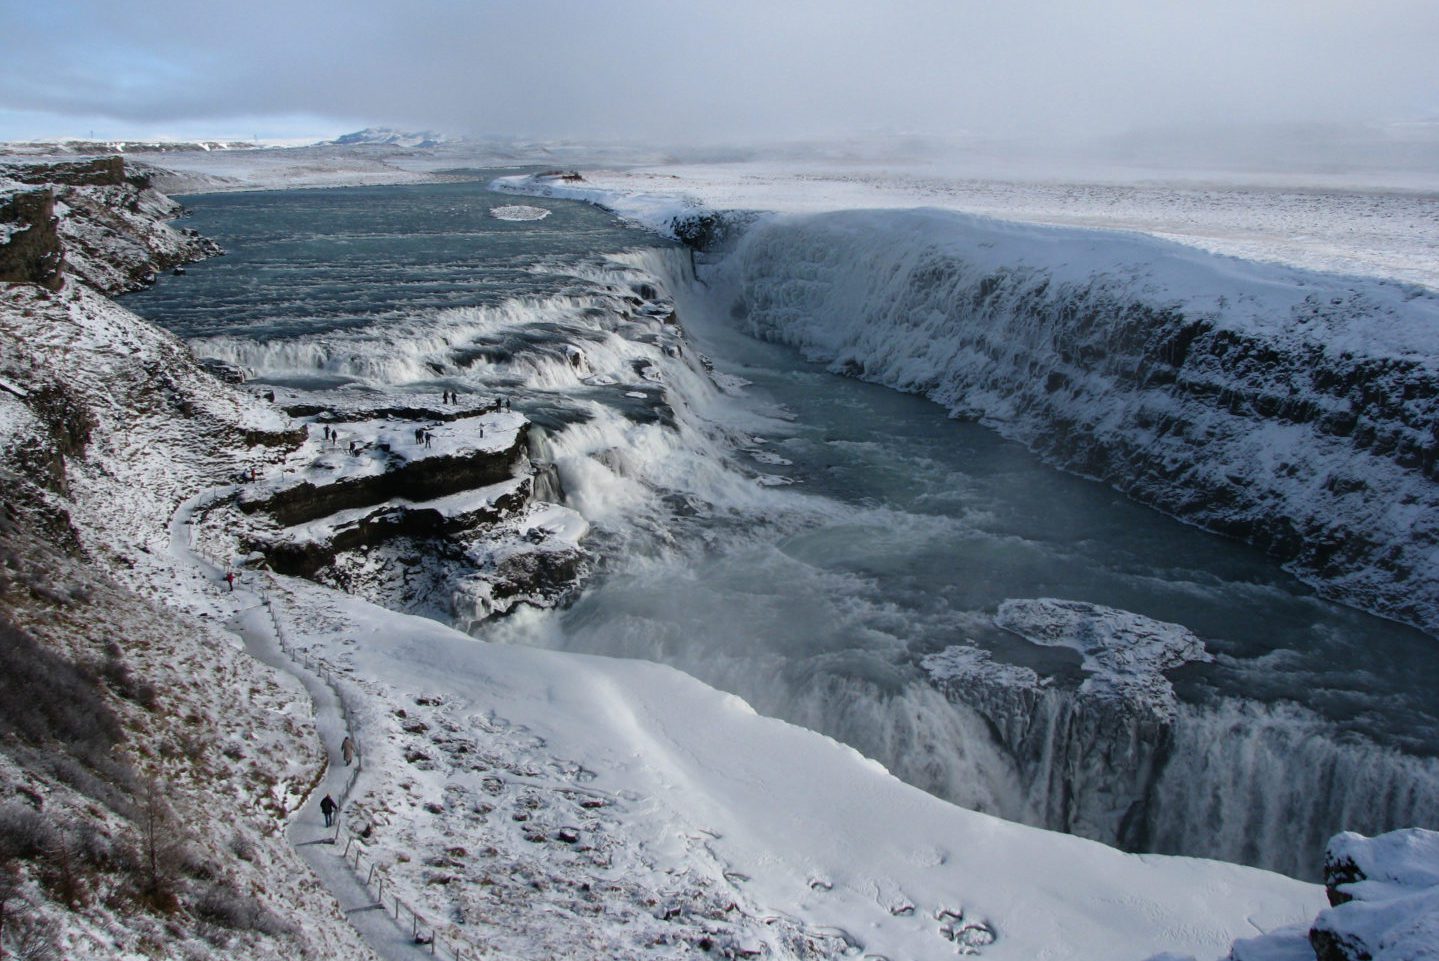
[
  {"x": 32, "y": 254},
  {"x": 1339, "y": 870},
  {"x": 384, "y": 524},
  {"x": 412, "y": 480},
  {"x": 222, "y": 370},
  {"x": 96, "y": 172},
  {"x": 540, "y": 574},
  {"x": 330, "y": 415},
  {"x": 711, "y": 229}
]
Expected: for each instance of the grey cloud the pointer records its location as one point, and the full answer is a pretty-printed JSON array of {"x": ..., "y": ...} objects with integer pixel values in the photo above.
[{"x": 668, "y": 69}]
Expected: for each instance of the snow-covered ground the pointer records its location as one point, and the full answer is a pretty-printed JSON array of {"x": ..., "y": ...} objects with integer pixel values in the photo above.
[
  {"x": 541, "y": 799},
  {"x": 1346, "y": 229}
]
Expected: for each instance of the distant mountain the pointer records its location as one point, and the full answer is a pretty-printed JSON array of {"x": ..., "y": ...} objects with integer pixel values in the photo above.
[{"x": 388, "y": 137}]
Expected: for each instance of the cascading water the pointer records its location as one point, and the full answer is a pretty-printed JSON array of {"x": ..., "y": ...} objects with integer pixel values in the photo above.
[
  {"x": 813, "y": 610},
  {"x": 811, "y": 542}
]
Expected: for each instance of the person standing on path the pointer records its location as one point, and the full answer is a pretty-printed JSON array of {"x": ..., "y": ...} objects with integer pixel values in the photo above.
[
  {"x": 328, "y": 807},
  {"x": 347, "y": 750},
  {"x": 230, "y": 579}
]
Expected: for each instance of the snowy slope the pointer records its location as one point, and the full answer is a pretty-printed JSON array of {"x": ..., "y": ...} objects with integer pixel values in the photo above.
[
  {"x": 105, "y": 425},
  {"x": 800, "y": 832}
]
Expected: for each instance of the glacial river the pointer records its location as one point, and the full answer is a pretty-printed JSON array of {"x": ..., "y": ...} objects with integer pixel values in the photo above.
[{"x": 804, "y": 540}]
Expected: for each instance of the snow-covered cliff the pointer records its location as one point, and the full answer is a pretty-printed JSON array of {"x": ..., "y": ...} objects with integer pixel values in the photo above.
[{"x": 1292, "y": 409}]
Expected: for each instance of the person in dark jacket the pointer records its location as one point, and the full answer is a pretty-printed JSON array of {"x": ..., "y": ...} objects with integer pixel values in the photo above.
[{"x": 328, "y": 807}]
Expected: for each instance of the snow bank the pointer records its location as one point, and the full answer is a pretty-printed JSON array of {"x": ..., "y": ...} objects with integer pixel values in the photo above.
[
  {"x": 1340, "y": 227},
  {"x": 1385, "y": 896}
]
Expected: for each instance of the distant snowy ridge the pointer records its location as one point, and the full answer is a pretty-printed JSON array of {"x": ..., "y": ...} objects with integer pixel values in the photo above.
[
  {"x": 389, "y": 137},
  {"x": 1289, "y": 408}
]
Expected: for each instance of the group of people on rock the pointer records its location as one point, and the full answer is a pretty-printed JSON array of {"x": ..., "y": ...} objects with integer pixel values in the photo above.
[
  {"x": 332, "y": 438},
  {"x": 453, "y": 397},
  {"x": 423, "y": 436}
]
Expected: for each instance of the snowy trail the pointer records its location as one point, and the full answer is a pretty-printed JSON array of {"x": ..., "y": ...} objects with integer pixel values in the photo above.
[{"x": 307, "y": 833}]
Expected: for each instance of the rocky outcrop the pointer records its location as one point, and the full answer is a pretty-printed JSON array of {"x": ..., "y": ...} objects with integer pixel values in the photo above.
[
  {"x": 101, "y": 222},
  {"x": 326, "y": 413},
  {"x": 30, "y": 249},
  {"x": 711, "y": 230},
  {"x": 1086, "y": 755},
  {"x": 417, "y": 480},
  {"x": 442, "y": 515},
  {"x": 387, "y": 522},
  {"x": 1384, "y": 897}
]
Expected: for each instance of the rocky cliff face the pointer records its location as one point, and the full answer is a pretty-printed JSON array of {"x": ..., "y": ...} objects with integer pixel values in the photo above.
[
  {"x": 112, "y": 230},
  {"x": 30, "y": 249}
]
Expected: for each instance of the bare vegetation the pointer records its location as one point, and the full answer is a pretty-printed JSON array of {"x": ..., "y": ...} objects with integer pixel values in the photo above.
[{"x": 147, "y": 765}]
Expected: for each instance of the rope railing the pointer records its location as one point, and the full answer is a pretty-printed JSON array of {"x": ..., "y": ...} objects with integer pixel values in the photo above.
[{"x": 424, "y": 932}]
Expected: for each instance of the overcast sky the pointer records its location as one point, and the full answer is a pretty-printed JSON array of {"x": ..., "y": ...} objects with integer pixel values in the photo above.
[{"x": 672, "y": 71}]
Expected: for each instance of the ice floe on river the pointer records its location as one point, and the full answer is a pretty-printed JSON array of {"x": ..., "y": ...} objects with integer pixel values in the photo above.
[
  {"x": 519, "y": 212},
  {"x": 1125, "y": 654}
]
